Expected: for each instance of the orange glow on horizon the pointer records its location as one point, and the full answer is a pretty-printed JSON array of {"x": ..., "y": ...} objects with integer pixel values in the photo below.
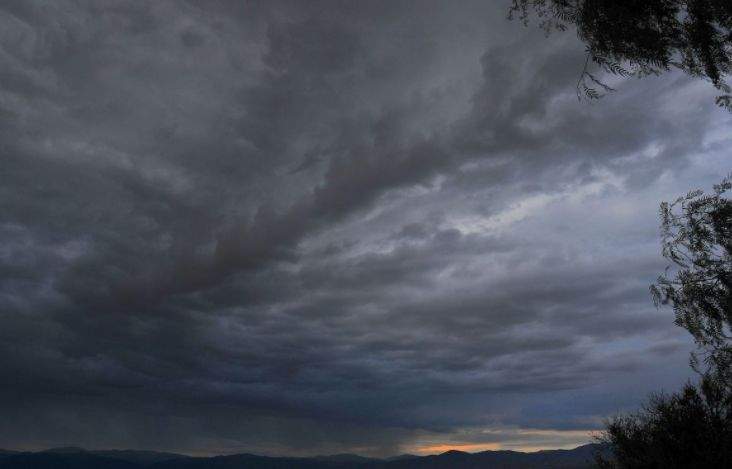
[
  {"x": 467, "y": 447},
  {"x": 533, "y": 440}
]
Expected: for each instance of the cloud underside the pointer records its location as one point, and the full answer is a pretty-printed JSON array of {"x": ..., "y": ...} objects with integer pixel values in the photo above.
[{"x": 297, "y": 228}]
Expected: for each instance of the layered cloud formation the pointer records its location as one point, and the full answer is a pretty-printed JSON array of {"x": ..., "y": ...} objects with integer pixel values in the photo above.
[{"x": 305, "y": 227}]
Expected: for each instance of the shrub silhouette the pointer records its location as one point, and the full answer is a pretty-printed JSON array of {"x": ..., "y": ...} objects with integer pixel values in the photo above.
[{"x": 688, "y": 429}]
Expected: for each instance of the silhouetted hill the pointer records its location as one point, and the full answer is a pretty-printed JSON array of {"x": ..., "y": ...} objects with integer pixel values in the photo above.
[
  {"x": 51, "y": 460},
  {"x": 65, "y": 450},
  {"x": 77, "y": 458},
  {"x": 346, "y": 457},
  {"x": 250, "y": 461},
  {"x": 139, "y": 457},
  {"x": 402, "y": 457},
  {"x": 578, "y": 458}
]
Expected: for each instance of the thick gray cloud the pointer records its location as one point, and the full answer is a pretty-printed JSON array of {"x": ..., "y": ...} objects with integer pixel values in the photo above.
[{"x": 290, "y": 227}]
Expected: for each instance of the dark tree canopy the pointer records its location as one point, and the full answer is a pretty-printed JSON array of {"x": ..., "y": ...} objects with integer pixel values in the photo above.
[
  {"x": 642, "y": 37},
  {"x": 688, "y": 429},
  {"x": 697, "y": 238}
]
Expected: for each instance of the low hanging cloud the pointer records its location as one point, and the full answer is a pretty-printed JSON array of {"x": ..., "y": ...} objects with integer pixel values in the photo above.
[{"x": 302, "y": 228}]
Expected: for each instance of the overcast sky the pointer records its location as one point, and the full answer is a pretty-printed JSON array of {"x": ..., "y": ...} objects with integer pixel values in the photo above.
[{"x": 316, "y": 227}]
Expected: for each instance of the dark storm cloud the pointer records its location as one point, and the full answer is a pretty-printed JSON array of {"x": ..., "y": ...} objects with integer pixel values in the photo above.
[{"x": 351, "y": 226}]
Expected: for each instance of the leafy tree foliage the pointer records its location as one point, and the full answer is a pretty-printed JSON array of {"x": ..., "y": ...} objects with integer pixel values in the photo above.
[
  {"x": 686, "y": 430},
  {"x": 642, "y": 37},
  {"x": 697, "y": 238},
  {"x": 691, "y": 428}
]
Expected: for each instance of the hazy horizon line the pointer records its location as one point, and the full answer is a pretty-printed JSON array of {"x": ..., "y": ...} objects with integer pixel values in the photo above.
[{"x": 452, "y": 448}]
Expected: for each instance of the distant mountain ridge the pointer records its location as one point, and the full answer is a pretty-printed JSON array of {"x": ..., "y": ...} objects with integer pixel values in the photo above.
[{"x": 77, "y": 458}]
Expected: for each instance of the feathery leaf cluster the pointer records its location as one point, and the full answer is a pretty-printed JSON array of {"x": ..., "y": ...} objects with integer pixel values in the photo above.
[{"x": 644, "y": 37}]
